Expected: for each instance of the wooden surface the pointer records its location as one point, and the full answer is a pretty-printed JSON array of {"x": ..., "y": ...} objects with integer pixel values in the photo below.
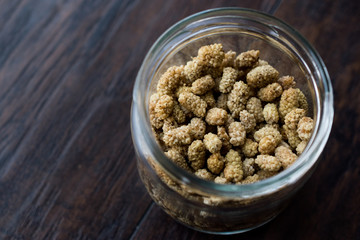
[{"x": 67, "y": 164}]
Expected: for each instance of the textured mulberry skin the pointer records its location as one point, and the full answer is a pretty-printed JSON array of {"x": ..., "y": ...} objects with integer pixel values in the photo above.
[
  {"x": 229, "y": 59},
  {"x": 222, "y": 101},
  {"x": 270, "y": 92},
  {"x": 268, "y": 131},
  {"x": 170, "y": 80},
  {"x": 193, "y": 70},
  {"x": 302, "y": 100},
  {"x": 209, "y": 99},
  {"x": 178, "y": 113},
  {"x": 169, "y": 124},
  {"x": 247, "y": 59},
  {"x": 250, "y": 148},
  {"x": 154, "y": 120},
  {"x": 237, "y": 134},
  {"x": 290, "y": 99},
  {"x": 204, "y": 174},
  {"x": 216, "y": 116},
  {"x": 248, "y": 120},
  {"x": 202, "y": 85},
  {"x": 254, "y": 106},
  {"x": 305, "y": 128},
  {"x": 193, "y": 103},
  {"x": 250, "y": 179},
  {"x": 228, "y": 80},
  {"x": 164, "y": 107},
  {"x": 267, "y": 145},
  {"x": 301, "y": 147},
  {"x": 154, "y": 98},
  {"x": 288, "y": 102},
  {"x": 215, "y": 163},
  {"x": 221, "y": 180},
  {"x": 248, "y": 167},
  {"x": 197, "y": 128},
  {"x": 285, "y": 156},
  {"x": 233, "y": 167},
  {"x": 177, "y": 158},
  {"x": 212, "y": 143},
  {"x": 271, "y": 113},
  {"x": 263, "y": 174},
  {"x": 197, "y": 154},
  {"x": 261, "y": 76},
  {"x": 292, "y": 136},
  {"x": 182, "y": 89},
  {"x": 237, "y": 98},
  {"x": 287, "y": 82},
  {"x": 177, "y": 136},
  {"x": 268, "y": 163},
  {"x": 293, "y": 117},
  {"x": 211, "y": 55},
  {"x": 225, "y": 139}
]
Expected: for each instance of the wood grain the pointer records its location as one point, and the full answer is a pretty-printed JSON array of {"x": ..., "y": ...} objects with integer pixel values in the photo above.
[{"x": 67, "y": 165}]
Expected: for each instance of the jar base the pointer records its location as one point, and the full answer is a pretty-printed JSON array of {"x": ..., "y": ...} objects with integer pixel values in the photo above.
[{"x": 228, "y": 232}]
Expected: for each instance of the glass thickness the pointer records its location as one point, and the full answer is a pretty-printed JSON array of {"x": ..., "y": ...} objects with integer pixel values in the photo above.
[{"x": 204, "y": 205}]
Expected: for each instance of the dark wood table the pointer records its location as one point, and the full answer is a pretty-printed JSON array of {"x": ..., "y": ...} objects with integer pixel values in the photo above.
[{"x": 67, "y": 163}]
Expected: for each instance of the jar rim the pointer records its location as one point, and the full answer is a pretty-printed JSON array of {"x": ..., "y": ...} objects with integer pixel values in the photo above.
[{"x": 290, "y": 175}]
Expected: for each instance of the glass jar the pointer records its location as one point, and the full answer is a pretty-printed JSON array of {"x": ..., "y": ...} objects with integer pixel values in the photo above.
[{"x": 226, "y": 208}]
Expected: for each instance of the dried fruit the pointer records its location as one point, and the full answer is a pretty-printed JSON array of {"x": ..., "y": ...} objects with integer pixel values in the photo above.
[{"x": 220, "y": 104}]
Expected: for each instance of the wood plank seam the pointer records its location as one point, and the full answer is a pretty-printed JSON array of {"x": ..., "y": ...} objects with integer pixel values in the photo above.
[{"x": 133, "y": 234}]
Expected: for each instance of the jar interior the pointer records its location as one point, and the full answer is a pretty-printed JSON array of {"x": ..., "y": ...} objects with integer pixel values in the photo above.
[{"x": 273, "y": 49}]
